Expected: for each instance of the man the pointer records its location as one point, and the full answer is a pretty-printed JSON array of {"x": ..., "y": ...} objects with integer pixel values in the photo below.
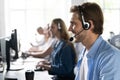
[
  {"x": 39, "y": 38},
  {"x": 99, "y": 60}
]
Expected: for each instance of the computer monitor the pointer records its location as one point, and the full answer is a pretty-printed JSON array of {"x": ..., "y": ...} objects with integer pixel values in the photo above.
[
  {"x": 3, "y": 51},
  {"x": 8, "y": 44},
  {"x": 14, "y": 43}
]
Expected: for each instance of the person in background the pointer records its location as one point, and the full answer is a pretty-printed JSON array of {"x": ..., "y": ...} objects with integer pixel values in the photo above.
[
  {"x": 44, "y": 50},
  {"x": 40, "y": 38},
  {"x": 99, "y": 60},
  {"x": 63, "y": 56}
]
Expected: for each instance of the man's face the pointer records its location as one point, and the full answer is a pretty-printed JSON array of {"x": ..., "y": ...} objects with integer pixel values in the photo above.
[
  {"x": 40, "y": 31},
  {"x": 76, "y": 27}
]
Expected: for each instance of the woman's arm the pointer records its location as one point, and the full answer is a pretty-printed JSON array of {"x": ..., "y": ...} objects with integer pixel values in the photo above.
[{"x": 41, "y": 54}]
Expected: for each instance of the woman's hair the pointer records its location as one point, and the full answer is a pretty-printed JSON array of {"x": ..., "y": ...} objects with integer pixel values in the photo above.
[
  {"x": 91, "y": 11},
  {"x": 64, "y": 33},
  {"x": 62, "y": 28}
]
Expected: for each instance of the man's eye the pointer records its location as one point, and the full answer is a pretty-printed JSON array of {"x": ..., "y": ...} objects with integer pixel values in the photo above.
[{"x": 72, "y": 24}]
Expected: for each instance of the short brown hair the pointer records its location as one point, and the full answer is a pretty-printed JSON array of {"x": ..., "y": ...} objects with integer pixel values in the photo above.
[{"x": 91, "y": 11}]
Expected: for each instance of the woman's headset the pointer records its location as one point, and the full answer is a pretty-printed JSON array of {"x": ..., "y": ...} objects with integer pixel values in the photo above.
[{"x": 59, "y": 26}]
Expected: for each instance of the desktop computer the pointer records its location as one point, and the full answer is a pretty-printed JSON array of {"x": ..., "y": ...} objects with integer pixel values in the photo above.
[{"x": 8, "y": 44}]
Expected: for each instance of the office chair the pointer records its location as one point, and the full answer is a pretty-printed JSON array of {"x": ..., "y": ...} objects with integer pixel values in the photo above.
[{"x": 115, "y": 41}]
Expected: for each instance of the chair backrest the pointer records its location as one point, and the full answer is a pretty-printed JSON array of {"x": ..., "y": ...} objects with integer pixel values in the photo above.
[{"x": 115, "y": 41}]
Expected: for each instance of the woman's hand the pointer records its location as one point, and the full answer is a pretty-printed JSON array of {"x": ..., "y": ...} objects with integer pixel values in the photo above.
[{"x": 44, "y": 65}]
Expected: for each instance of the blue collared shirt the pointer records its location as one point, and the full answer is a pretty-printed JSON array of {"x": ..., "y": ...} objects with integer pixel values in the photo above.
[{"x": 103, "y": 62}]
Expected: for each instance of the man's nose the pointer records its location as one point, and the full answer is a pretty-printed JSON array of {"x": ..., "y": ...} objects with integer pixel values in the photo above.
[{"x": 70, "y": 28}]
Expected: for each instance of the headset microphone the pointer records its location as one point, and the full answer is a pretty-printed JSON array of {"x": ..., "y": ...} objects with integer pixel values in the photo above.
[
  {"x": 72, "y": 38},
  {"x": 85, "y": 25}
]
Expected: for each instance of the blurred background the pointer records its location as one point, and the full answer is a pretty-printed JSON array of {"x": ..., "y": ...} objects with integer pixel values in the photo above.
[{"x": 27, "y": 15}]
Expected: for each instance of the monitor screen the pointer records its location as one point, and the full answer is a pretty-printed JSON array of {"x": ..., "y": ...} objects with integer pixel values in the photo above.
[
  {"x": 14, "y": 44},
  {"x": 8, "y": 47},
  {"x": 3, "y": 51}
]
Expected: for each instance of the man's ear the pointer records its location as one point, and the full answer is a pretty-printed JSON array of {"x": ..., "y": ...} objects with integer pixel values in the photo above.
[{"x": 91, "y": 24}]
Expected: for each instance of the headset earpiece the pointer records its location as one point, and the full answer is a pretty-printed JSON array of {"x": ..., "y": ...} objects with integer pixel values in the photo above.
[
  {"x": 59, "y": 27},
  {"x": 86, "y": 25}
]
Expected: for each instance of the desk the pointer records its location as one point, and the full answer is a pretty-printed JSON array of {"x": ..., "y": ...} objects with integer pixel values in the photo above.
[
  {"x": 29, "y": 64},
  {"x": 20, "y": 75},
  {"x": 1, "y": 76}
]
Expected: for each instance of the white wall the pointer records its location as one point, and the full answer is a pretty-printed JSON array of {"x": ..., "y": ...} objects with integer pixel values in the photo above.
[
  {"x": 2, "y": 19},
  {"x": 78, "y": 2},
  {"x": 2, "y": 15}
]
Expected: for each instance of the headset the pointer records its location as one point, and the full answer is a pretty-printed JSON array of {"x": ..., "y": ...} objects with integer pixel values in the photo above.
[
  {"x": 85, "y": 25},
  {"x": 59, "y": 27}
]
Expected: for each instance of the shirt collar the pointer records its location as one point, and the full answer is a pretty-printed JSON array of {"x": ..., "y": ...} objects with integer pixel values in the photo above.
[{"x": 93, "y": 50}]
